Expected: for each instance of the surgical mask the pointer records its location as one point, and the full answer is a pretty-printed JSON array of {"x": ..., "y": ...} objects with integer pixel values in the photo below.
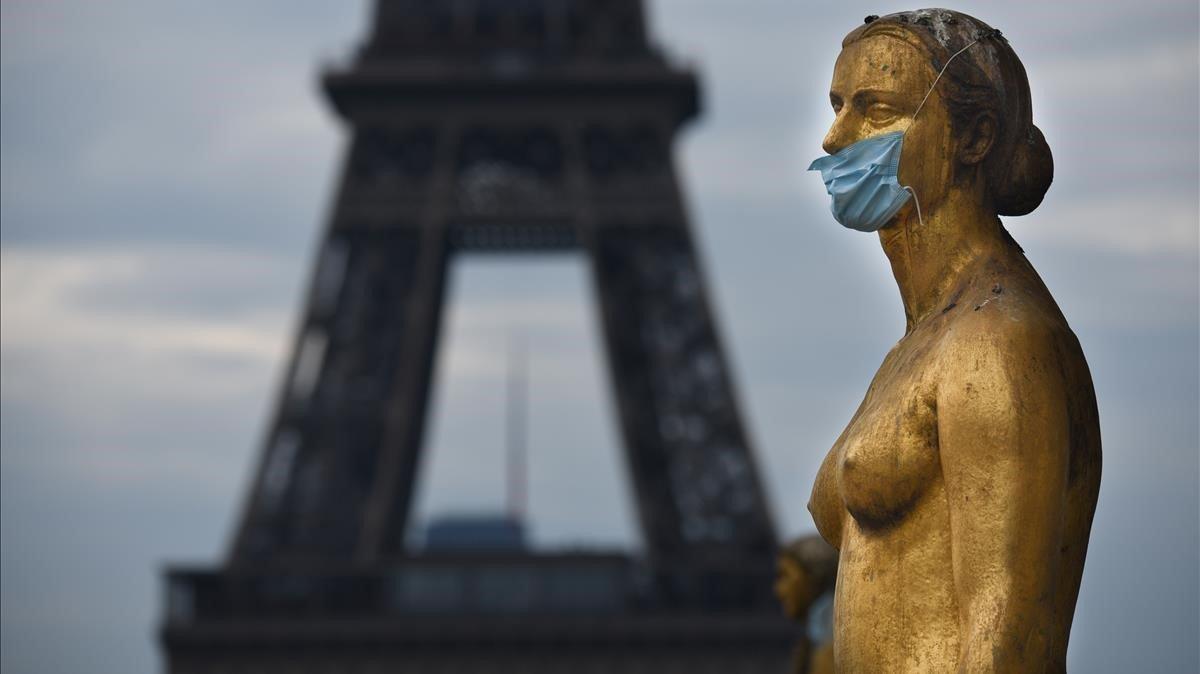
[{"x": 862, "y": 180}]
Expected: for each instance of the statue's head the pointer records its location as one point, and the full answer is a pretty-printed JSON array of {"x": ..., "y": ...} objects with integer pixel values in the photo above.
[
  {"x": 975, "y": 128},
  {"x": 805, "y": 569}
]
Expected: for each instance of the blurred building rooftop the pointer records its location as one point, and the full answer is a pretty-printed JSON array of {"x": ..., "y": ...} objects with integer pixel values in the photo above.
[{"x": 475, "y": 533}]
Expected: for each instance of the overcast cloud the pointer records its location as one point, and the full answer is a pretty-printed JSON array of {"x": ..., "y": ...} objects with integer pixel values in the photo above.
[{"x": 166, "y": 167}]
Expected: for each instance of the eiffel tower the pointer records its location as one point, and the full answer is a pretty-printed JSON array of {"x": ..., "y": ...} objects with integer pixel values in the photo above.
[{"x": 495, "y": 126}]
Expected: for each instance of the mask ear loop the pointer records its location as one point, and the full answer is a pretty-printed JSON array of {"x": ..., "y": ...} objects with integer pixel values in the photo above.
[
  {"x": 927, "y": 94},
  {"x": 943, "y": 72},
  {"x": 917, "y": 202}
]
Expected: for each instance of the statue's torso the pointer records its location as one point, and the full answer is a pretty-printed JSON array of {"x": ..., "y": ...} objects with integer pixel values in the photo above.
[
  {"x": 880, "y": 496},
  {"x": 888, "y": 480}
]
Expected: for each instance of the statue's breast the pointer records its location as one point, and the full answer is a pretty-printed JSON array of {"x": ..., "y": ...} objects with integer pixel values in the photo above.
[{"x": 888, "y": 455}]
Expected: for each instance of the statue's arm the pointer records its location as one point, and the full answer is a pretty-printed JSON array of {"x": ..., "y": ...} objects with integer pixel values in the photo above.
[{"x": 1003, "y": 438}]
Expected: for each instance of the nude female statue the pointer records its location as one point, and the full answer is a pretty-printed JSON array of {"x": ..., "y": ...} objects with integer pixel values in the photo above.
[{"x": 961, "y": 494}]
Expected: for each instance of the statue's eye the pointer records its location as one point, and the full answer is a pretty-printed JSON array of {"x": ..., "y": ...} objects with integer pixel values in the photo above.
[
  {"x": 836, "y": 103},
  {"x": 881, "y": 113}
]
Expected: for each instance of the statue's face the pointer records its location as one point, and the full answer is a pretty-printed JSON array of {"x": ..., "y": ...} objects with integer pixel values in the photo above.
[{"x": 878, "y": 83}]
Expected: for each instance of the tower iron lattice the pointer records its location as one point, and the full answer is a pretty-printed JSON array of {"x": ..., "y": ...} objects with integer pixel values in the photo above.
[{"x": 495, "y": 126}]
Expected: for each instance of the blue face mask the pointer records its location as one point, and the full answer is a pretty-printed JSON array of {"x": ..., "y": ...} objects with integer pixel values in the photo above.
[{"x": 861, "y": 178}]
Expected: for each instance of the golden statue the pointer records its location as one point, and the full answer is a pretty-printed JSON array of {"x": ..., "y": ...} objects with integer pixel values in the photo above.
[
  {"x": 806, "y": 571},
  {"x": 961, "y": 494}
]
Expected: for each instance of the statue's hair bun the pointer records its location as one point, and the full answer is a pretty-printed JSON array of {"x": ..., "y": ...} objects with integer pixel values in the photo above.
[{"x": 1019, "y": 185}]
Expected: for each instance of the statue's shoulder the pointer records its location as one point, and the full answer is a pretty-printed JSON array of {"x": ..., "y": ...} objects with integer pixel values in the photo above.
[{"x": 1007, "y": 320}]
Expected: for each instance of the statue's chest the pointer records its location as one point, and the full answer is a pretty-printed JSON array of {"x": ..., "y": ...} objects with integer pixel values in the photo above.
[{"x": 888, "y": 455}]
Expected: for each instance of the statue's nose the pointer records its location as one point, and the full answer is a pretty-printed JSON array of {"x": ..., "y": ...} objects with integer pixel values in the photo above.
[{"x": 837, "y": 138}]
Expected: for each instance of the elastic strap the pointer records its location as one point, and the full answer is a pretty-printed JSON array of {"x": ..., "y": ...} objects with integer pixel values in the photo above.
[
  {"x": 943, "y": 71},
  {"x": 918, "y": 203},
  {"x": 991, "y": 33}
]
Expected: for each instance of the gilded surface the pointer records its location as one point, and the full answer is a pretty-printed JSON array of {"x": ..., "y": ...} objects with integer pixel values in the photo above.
[{"x": 961, "y": 493}]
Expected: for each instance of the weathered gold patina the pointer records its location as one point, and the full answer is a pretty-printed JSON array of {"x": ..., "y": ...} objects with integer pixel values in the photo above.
[{"x": 961, "y": 493}]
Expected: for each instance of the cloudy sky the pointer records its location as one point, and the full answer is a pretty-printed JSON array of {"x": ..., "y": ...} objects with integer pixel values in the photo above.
[{"x": 166, "y": 167}]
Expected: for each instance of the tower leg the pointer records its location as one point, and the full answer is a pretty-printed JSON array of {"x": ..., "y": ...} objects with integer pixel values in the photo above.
[
  {"x": 698, "y": 492},
  {"x": 343, "y": 449}
]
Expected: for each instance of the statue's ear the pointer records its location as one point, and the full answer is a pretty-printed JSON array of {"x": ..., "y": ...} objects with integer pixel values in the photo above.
[{"x": 979, "y": 138}]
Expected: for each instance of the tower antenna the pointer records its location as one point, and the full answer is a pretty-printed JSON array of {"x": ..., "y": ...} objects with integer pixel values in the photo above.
[{"x": 516, "y": 435}]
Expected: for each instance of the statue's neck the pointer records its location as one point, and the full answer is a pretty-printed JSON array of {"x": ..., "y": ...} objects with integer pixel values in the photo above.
[{"x": 928, "y": 259}]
